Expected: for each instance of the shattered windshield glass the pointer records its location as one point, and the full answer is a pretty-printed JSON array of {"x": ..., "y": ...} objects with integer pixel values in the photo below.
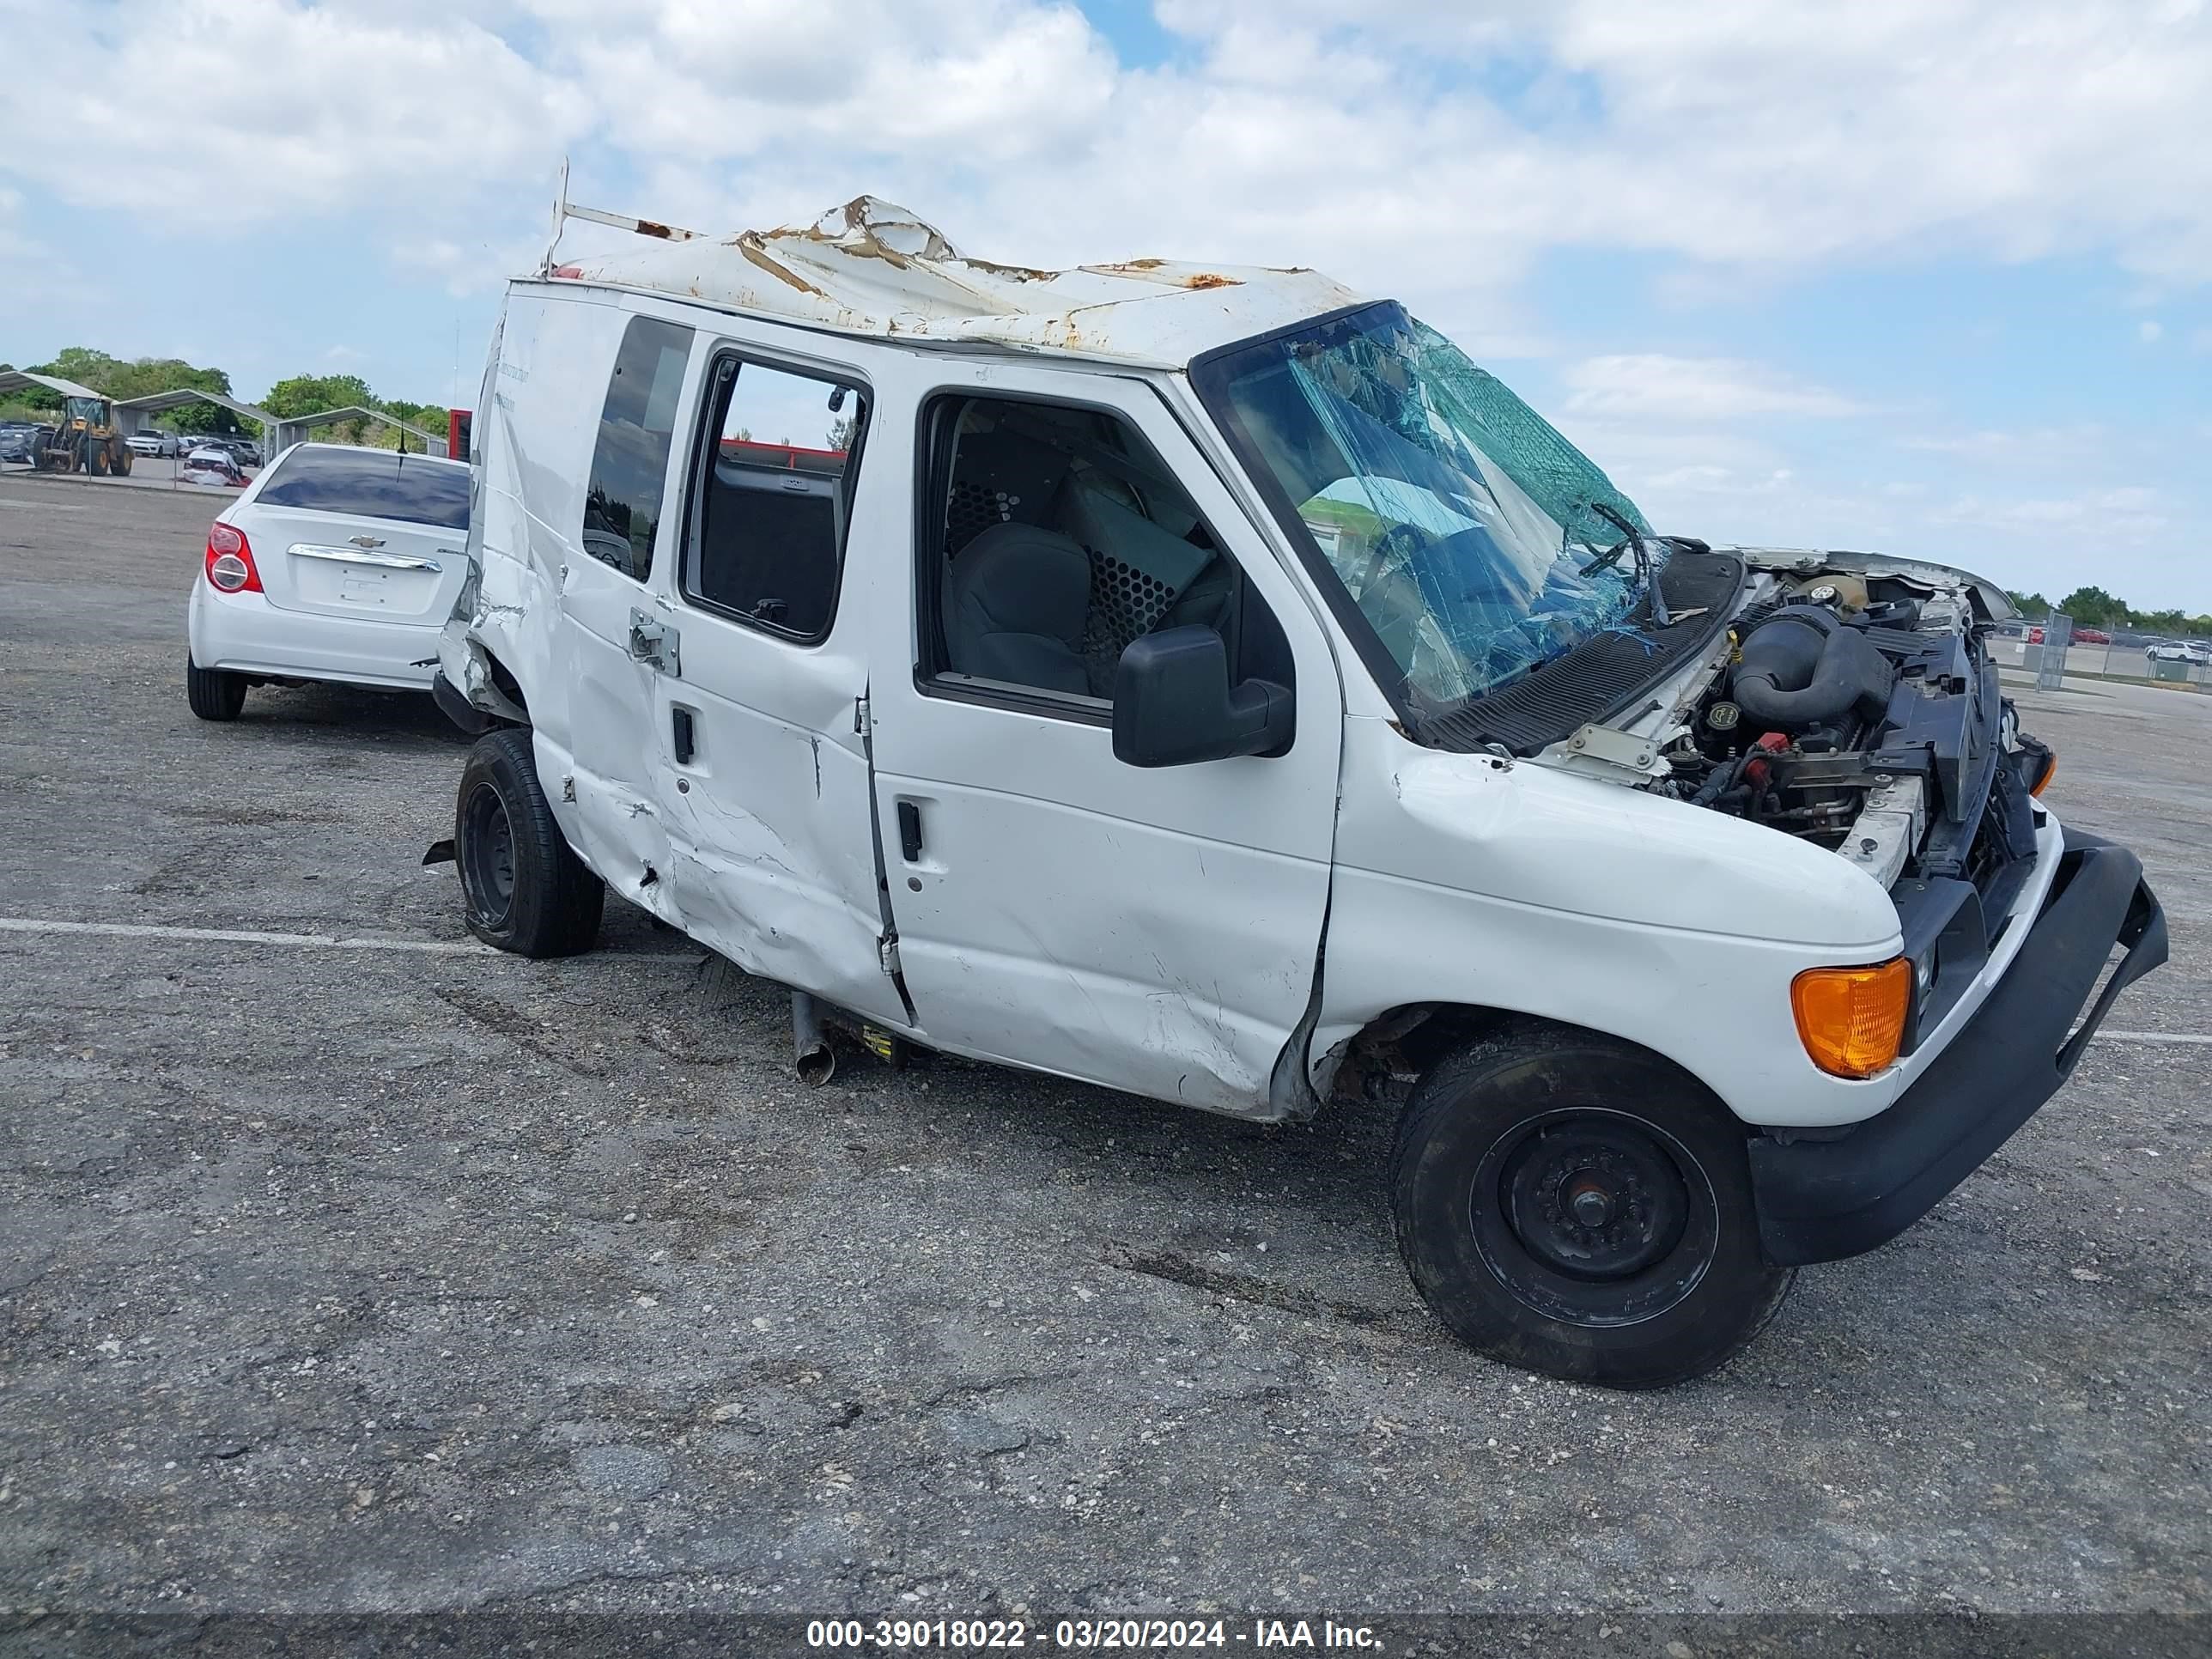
[{"x": 1458, "y": 520}]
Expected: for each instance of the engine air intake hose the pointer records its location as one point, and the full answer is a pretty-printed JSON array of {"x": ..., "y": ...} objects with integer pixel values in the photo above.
[{"x": 1803, "y": 666}]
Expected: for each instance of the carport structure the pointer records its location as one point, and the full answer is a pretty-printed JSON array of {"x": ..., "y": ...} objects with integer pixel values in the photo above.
[
  {"x": 296, "y": 428},
  {"x": 278, "y": 434},
  {"x": 132, "y": 413},
  {"x": 17, "y": 380}
]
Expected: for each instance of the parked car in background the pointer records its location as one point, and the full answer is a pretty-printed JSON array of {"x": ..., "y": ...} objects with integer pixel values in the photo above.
[
  {"x": 337, "y": 563},
  {"x": 247, "y": 450},
  {"x": 2189, "y": 651},
  {"x": 2092, "y": 637},
  {"x": 208, "y": 464},
  {"x": 19, "y": 441},
  {"x": 151, "y": 442}
]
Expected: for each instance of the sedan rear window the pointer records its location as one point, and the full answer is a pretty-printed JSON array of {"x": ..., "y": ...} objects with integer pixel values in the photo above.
[{"x": 372, "y": 484}]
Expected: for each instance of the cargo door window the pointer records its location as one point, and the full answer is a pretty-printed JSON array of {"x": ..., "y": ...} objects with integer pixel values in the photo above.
[
  {"x": 637, "y": 429},
  {"x": 773, "y": 489}
]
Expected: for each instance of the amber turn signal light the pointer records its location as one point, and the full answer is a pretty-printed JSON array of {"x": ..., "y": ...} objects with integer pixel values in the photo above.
[
  {"x": 2050, "y": 771},
  {"x": 1852, "y": 1020}
]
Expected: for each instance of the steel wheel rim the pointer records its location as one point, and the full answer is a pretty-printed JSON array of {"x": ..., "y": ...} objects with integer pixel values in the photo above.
[
  {"x": 487, "y": 857},
  {"x": 1594, "y": 1217}
]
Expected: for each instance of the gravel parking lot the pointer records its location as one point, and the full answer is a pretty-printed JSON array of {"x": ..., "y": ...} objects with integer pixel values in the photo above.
[{"x": 347, "y": 1279}]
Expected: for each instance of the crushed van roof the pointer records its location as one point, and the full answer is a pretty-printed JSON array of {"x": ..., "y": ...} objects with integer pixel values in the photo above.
[{"x": 872, "y": 267}]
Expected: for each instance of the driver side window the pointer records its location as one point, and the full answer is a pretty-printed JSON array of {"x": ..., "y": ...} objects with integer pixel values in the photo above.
[{"x": 1052, "y": 537}]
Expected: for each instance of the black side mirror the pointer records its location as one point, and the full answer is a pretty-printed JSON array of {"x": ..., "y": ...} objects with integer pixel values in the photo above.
[{"x": 1173, "y": 704}]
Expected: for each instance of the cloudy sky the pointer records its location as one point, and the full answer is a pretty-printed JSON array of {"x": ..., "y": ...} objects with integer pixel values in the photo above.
[{"x": 1927, "y": 276}]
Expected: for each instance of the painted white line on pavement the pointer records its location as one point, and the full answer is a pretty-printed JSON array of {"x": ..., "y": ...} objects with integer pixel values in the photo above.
[
  {"x": 244, "y": 936},
  {"x": 2157, "y": 1036}
]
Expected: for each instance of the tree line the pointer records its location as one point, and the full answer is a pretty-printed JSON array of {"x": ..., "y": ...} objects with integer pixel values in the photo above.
[
  {"x": 297, "y": 394},
  {"x": 2093, "y": 607}
]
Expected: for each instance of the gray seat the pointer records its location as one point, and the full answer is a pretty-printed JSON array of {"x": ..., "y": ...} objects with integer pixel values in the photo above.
[{"x": 1015, "y": 601}]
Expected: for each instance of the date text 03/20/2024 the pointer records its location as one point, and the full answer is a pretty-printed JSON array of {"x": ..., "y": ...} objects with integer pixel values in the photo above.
[{"x": 957, "y": 1635}]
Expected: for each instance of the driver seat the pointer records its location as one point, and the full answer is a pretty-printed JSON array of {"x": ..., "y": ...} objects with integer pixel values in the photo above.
[{"x": 1015, "y": 603}]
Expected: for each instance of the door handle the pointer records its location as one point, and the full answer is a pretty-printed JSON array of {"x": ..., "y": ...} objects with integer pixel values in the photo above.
[
  {"x": 679, "y": 734},
  {"x": 909, "y": 818}
]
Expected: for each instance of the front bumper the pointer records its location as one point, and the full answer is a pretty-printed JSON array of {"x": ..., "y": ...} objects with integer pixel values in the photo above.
[{"x": 1820, "y": 1201}]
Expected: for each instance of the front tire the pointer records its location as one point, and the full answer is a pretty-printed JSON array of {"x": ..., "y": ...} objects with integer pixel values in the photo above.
[
  {"x": 1577, "y": 1206},
  {"x": 214, "y": 694},
  {"x": 525, "y": 890}
]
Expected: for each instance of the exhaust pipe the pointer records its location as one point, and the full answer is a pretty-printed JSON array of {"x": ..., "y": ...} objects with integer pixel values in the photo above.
[{"x": 812, "y": 1057}]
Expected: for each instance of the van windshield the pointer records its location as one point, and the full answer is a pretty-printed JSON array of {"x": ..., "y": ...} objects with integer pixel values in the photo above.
[{"x": 1456, "y": 520}]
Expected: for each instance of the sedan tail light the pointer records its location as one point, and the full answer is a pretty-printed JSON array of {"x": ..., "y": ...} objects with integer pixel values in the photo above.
[{"x": 230, "y": 561}]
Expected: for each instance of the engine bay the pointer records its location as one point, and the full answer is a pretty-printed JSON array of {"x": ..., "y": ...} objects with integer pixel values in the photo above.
[{"x": 1861, "y": 711}]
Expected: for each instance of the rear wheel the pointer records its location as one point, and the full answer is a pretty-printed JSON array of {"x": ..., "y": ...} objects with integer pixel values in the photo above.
[
  {"x": 525, "y": 890},
  {"x": 214, "y": 694},
  {"x": 1577, "y": 1206},
  {"x": 95, "y": 460},
  {"x": 119, "y": 460}
]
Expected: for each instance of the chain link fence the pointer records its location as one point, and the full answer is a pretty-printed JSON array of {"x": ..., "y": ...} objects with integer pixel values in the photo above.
[
  {"x": 2158, "y": 657},
  {"x": 2116, "y": 654}
]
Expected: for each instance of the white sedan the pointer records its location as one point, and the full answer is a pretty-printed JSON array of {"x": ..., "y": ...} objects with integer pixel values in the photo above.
[
  {"x": 2187, "y": 650},
  {"x": 337, "y": 563}
]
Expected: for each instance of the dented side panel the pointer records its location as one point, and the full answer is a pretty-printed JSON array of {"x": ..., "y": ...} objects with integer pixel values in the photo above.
[
  {"x": 774, "y": 861},
  {"x": 1465, "y": 880},
  {"x": 603, "y": 744},
  {"x": 760, "y": 847}
]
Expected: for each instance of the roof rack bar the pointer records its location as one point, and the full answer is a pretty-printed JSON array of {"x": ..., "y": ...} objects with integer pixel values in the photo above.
[
  {"x": 564, "y": 210},
  {"x": 643, "y": 226}
]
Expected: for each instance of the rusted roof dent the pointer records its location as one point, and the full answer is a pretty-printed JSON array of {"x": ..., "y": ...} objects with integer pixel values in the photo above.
[{"x": 872, "y": 267}]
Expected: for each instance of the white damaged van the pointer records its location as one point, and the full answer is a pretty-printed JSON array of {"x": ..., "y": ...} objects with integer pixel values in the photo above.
[{"x": 1206, "y": 683}]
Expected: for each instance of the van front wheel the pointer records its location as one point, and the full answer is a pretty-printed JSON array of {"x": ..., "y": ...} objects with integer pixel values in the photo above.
[
  {"x": 1575, "y": 1206},
  {"x": 525, "y": 890}
]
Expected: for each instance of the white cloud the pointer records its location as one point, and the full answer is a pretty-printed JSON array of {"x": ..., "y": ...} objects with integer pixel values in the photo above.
[
  {"x": 2148, "y": 330},
  {"x": 2131, "y": 514},
  {"x": 36, "y": 272},
  {"x": 2039, "y": 446},
  {"x": 1422, "y": 147},
  {"x": 1743, "y": 136},
  {"x": 1693, "y": 389},
  {"x": 284, "y": 109},
  {"x": 1763, "y": 133}
]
